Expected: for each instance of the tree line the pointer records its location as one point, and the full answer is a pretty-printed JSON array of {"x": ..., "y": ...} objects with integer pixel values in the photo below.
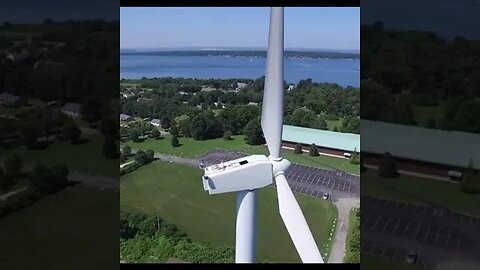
[
  {"x": 402, "y": 69},
  {"x": 152, "y": 239}
]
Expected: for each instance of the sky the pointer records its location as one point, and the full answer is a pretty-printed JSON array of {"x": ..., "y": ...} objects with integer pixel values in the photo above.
[
  {"x": 245, "y": 27},
  {"x": 35, "y": 11},
  {"x": 447, "y": 18}
]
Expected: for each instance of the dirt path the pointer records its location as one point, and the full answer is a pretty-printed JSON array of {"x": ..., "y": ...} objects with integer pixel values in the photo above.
[{"x": 338, "y": 246}]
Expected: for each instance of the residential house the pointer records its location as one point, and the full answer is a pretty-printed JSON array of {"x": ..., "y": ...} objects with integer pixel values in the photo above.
[
  {"x": 156, "y": 122},
  {"x": 126, "y": 117},
  {"x": 71, "y": 109},
  {"x": 240, "y": 86},
  {"x": 10, "y": 100}
]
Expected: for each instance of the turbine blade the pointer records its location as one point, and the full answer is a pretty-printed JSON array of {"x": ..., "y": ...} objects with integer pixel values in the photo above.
[
  {"x": 272, "y": 106},
  {"x": 296, "y": 224}
]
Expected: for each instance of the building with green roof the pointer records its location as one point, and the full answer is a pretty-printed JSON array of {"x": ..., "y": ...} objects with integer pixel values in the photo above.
[{"x": 327, "y": 142}]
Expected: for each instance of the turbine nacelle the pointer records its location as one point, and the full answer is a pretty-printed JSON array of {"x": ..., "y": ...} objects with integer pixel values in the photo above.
[{"x": 246, "y": 173}]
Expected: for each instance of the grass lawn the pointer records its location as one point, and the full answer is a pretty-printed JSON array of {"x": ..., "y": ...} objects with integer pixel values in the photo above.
[
  {"x": 193, "y": 148},
  {"x": 334, "y": 123},
  {"x": 87, "y": 157},
  {"x": 73, "y": 229},
  {"x": 373, "y": 262},
  {"x": 352, "y": 222},
  {"x": 420, "y": 191},
  {"x": 10, "y": 111},
  {"x": 421, "y": 114},
  {"x": 176, "y": 193}
]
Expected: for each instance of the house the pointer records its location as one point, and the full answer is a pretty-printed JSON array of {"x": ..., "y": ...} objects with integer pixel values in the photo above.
[
  {"x": 431, "y": 152},
  {"x": 53, "y": 104},
  {"x": 10, "y": 100},
  {"x": 71, "y": 109},
  {"x": 253, "y": 104},
  {"x": 185, "y": 103},
  {"x": 156, "y": 122},
  {"x": 291, "y": 86},
  {"x": 126, "y": 117},
  {"x": 208, "y": 89},
  {"x": 328, "y": 142},
  {"x": 241, "y": 85},
  {"x": 19, "y": 56},
  {"x": 183, "y": 93}
]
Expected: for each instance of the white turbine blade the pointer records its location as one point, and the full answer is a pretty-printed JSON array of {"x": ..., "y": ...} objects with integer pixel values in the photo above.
[
  {"x": 272, "y": 107},
  {"x": 296, "y": 224}
]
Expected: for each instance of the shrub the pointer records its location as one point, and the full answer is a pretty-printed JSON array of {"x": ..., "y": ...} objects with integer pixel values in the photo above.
[
  {"x": 175, "y": 142},
  {"x": 387, "y": 166},
  {"x": 355, "y": 158},
  {"x": 298, "y": 149},
  {"x": 313, "y": 150},
  {"x": 227, "y": 135}
]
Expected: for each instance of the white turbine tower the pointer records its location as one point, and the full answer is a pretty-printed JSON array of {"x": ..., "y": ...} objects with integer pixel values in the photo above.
[{"x": 245, "y": 175}]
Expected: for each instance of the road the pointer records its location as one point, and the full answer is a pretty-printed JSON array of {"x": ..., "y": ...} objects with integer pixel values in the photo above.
[
  {"x": 344, "y": 205},
  {"x": 87, "y": 179}
]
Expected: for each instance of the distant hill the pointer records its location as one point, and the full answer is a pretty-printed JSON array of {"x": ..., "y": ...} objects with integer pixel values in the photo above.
[{"x": 245, "y": 53}]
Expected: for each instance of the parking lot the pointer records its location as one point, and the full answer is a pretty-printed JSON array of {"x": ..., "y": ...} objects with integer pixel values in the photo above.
[
  {"x": 303, "y": 179},
  {"x": 428, "y": 226},
  {"x": 424, "y": 232},
  {"x": 437, "y": 214},
  {"x": 380, "y": 249}
]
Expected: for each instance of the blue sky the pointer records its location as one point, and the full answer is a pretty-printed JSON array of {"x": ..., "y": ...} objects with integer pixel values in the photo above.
[
  {"x": 447, "y": 18},
  {"x": 34, "y": 11},
  {"x": 211, "y": 27}
]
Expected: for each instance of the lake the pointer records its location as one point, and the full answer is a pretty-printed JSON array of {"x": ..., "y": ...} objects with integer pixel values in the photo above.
[{"x": 345, "y": 72}]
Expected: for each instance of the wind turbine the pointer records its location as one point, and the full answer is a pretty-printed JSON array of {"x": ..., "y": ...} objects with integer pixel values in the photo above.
[{"x": 246, "y": 175}]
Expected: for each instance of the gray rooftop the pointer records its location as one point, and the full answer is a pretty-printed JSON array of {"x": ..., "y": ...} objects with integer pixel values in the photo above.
[
  {"x": 6, "y": 97},
  {"x": 430, "y": 145},
  {"x": 125, "y": 116},
  {"x": 71, "y": 107},
  {"x": 323, "y": 138}
]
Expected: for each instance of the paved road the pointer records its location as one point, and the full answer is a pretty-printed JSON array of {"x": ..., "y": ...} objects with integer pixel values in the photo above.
[
  {"x": 11, "y": 193},
  {"x": 88, "y": 180},
  {"x": 179, "y": 160},
  {"x": 94, "y": 181},
  {"x": 344, "y": 205},
  {"x": 175, "y": 159}
]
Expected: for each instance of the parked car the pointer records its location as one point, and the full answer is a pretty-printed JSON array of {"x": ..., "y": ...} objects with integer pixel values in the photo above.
[{"x": 326, "y": 196}]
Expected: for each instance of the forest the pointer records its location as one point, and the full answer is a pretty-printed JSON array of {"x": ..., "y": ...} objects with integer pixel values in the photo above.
[
  {"x": 407, "y": 70},
  {"x": 210, "y": 114},
  {"x": 150, "y": 239}
]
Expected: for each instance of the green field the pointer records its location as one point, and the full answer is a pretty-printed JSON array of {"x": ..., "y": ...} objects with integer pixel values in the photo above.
[
  {"x": 418, "y": 190},
  {"x": 176, "y": 193},
  {"x": 373, "y": 262},
  {"x": 87, "y": 157},
  {"x": 193, "y": 148},
  {"x": 334, "y": 123},
  {"x": 351, "y": 224},
  {"x": 421, "y": 114},
  {"x": 74, "y": 229}
]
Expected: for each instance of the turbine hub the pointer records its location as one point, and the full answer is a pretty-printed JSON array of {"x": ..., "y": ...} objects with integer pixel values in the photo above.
[{"x": 279, "y": 165}]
